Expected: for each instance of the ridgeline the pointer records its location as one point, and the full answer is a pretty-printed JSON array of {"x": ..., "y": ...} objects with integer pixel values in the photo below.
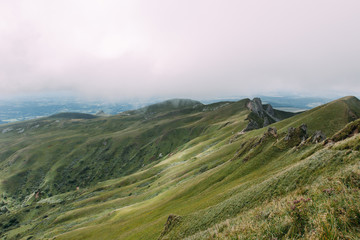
[{"x": 181, "y": 169}]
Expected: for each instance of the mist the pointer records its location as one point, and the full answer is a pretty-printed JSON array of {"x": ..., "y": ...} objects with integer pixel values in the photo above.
[{"x": 197, "y": 49}]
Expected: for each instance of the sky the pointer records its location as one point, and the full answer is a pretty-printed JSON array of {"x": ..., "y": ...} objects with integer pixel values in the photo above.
[{"x": 185, "y": 48}]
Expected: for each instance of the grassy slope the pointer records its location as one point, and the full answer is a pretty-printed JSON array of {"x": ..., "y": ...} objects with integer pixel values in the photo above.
[
  {"x": 57, "y": 155},
  {"x": 54, "y": 150},
  {"x": 215, "y": 176},
  {"x": 329, "y": 118}
]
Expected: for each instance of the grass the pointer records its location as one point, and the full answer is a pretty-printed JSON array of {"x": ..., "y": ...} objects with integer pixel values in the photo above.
[
  {"x": 327, "y": 209},
  {"x": 215, "y": 182}
]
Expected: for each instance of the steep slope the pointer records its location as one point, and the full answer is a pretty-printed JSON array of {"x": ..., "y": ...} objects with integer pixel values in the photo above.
[
  {"x": 327, "y": 206},
  {"x": 166, "y": 106},
  {"x": 172, "y": 104},
  {"x": 69, "y": 150},
  {"x": 216, "y": 174},
  {"x": 263, "y": 115},
  {"x": 329, "y": 118}
]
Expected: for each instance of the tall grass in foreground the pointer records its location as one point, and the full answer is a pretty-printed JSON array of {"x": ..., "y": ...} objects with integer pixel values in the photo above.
[{"x": 327, "y": 210}]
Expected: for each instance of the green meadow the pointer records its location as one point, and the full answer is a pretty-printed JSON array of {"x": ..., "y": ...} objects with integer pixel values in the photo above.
[{"x": 182, "y": 170}]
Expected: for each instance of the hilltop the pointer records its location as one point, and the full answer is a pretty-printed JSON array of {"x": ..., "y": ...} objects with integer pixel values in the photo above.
[
  {"x": 72, "y": 115},
  {"x": 205, "y": 171},
  {"x": 171, "y": 104}
]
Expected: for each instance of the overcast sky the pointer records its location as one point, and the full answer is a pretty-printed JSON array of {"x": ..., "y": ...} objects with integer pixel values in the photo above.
[{"x": 183, "y": 48}]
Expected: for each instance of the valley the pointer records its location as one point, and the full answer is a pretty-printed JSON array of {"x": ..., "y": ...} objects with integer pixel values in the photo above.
[{"x": 181, "y": 169}]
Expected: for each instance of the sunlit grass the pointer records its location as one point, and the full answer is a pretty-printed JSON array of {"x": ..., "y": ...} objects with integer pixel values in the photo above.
[{"x": 221, "y": 184}]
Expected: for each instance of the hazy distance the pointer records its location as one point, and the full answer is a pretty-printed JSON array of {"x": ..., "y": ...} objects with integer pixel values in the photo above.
[{"x": 120, "y": 50}]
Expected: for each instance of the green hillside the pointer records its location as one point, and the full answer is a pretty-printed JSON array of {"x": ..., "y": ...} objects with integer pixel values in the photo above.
[
  {"x": 73, "y": 115},
  {"x": 180, "y": 169}
]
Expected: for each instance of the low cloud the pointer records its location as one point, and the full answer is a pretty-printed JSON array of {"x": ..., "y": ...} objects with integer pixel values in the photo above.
[{"x": 197, "y": 49}]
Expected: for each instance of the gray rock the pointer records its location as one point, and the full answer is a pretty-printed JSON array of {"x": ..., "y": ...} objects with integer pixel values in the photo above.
[
  {"x": 290, "y": 133},
  {"x": 9, "y": 129},
  {"x": 3, "y": 210},
  {"x": 264, "y": 115},
  {"x": 272, "y": 131},
  {"x": 36, "y": 126},
  {"x": 298, "y": 134},
  {"x": 318, "y": 136},
  {"x": 303, "y": 132},
  {"x": 255, "y": 106},
  {"x": 303, "y": 128},
  {"x": 251, "y": 126},
  {"x": 266, "y": 121},
  {"x": 269, "y": 109},
  {"x": 101, "y": 113}
]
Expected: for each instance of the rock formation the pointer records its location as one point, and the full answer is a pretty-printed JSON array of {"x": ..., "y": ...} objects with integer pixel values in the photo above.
[
  {"x": 317, "y": 137},
  {"x": 272, "y": 131},
  {"x": 297, "y": 135},
  {"x": 260, "y": 116},
  {"x": 255, "y": 106},
  {"x": 100, "y": 113},
  {"x": 3, "y": 210}
]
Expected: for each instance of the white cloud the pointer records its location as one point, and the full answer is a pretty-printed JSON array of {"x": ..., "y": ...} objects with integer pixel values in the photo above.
[{"x": 201, "y": 48}]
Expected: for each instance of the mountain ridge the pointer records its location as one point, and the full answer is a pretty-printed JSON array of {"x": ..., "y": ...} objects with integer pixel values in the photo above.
[{"x": 123, "y": 176}]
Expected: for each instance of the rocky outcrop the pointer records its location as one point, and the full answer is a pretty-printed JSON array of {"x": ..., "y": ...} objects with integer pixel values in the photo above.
[
  {"x": 272, "y": 131},
  {"x": 260, "y": 116},
  {"x": 3, "y": 210},
  {"x": 9, "y": 129},
  {"x": 297, "y": 135},
  {"x": 255, "y": 106},
  {"x": 269, "y": 109},
  {"x": 251, "y": 126},
  {"x": 317, "y": 137},
  {"x": 100, "y": 113}
]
